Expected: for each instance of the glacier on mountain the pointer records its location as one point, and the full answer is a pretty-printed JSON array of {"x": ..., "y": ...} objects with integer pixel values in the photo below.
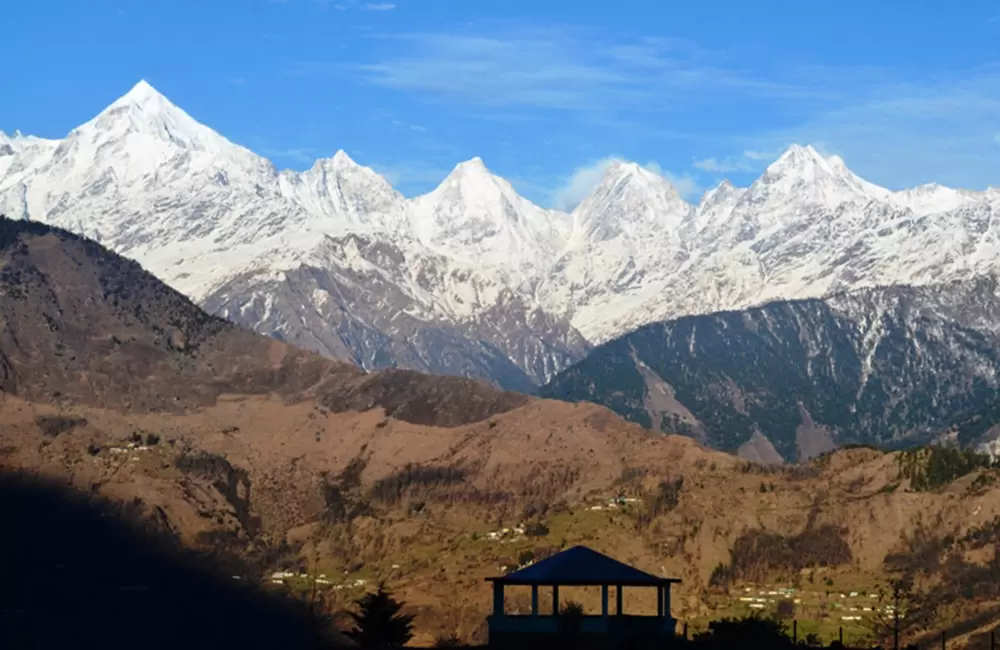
[{"x": 472, "y": 278}]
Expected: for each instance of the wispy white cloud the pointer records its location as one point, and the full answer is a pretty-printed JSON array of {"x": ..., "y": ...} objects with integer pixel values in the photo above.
[
  {"x": 557, "y": 68},
  {"x": 585, "y": 179},
  {"x": 685, "y": 184},
  {"x": 908, "y": 133},
  {"x": 324, "y": 5},
  {"x": 895, "y": 128},
  {"x": 580, "y": 184},
  {"x": 723, "y": 166},
  {"x": 379, "y": 6},
  {"x": 404, "y": 125},
  {"x": 758, "y": 155},
  {"x": 297, "y": 156}
]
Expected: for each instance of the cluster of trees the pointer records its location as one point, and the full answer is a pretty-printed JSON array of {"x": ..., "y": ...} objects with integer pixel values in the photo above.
[
  {"x": 929, "y": 468},
  {"x": 52, "y": 426},
  {"x": 661, "y": 501},
  {"x": 759, "y": 553},
  {"x": 413, "y": 479}
]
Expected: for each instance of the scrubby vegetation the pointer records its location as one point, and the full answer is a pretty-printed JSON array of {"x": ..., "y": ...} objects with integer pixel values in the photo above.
[
  {"x": 757, "y": 554},
  {"x": 920, "y": 552},
  {"x": 753, "y": 631},
  {"x": 929, "y": 468},
  {"x": 416, "y": 479},
  {"x": 233, "y": 483},
  {"x": 662, "y": 500},
  {"x": 53, "y": 426},
  {"x": 342, "y": 494},
  {"x": 536, "y": 529},
  {"x": 944, "y": 560}
]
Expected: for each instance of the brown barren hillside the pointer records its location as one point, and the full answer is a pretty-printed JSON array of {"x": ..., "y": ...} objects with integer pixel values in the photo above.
[
  {"x": 82, "y": 325},
  {"x": 273, "y": 458}
]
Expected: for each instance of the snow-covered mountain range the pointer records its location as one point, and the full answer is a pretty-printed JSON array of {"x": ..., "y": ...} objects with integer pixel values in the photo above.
[{"x": 472, "y": 278}]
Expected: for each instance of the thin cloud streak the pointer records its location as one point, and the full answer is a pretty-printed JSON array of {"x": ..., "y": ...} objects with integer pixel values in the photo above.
[
  {"x": 556, "y": 69},
  {"x": 894, "y": 130},
  {"x": 913, "y": 134},
  {"x": 580, "y": 184},
  {"x": 724, "y": 166}
]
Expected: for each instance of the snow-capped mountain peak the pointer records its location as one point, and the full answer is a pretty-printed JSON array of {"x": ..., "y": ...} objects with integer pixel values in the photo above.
[
  {"x": 803, "y": 175},
  {"x": 629, "y": 201},
  {"x": 801, "y": 166},
  {"x": 716, "y": 204},
  {"x": 477, "y": 216},
  {"x": 342, "y": 160},
  {"x": 720, "y": 193},
  {"x": 472, "y": 180},
  {"x": 145, "y": 113},
  {"x": 474, "y": 165},
  {"x": 350, "y": 197},
  {"x": 932, "y": 198},
  {"x": 640, "y": 179},
  {"x": 142, "y": 95}
]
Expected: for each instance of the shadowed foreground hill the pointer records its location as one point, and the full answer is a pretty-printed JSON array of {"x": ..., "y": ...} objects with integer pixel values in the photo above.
[{"x": 78, "y": 574}]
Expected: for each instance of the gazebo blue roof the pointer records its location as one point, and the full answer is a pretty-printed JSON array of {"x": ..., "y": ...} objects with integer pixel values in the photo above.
[{"x": 581, "y": 566}]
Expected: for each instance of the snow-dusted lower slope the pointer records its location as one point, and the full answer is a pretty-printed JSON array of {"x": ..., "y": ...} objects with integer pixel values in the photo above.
[
  {"x": 472, "y": 278},
  {"x": 380, "y": 305}
]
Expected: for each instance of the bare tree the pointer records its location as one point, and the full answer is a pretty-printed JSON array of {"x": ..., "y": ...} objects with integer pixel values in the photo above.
[{"x": 900, "y": 610}]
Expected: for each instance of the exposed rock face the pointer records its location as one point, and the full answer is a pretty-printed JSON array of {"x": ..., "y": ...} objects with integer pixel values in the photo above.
[
  {"x": 889, "y": 366},
  {"x": 364, "y": 313}
]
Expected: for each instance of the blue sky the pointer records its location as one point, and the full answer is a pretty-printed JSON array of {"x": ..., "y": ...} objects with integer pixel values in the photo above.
[{"x": 543, "y": 90}]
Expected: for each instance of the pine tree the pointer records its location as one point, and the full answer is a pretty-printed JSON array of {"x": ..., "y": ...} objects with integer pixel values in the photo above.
[
  {"x": 899, "y": 612},
  {"x": 378, "y": 623}
]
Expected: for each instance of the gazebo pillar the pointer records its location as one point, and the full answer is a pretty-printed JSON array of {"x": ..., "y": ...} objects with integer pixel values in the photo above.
[
  {"x": 604, "y": 601},
  {"x": 659, "y": 601},
  {"x": 665, "y": 600},
  {"x": 498, "y": 599},
  {"x": 555, "y": 600},
  {"x": 534, "y": 600},
  {"x": 618, "y": 598}
]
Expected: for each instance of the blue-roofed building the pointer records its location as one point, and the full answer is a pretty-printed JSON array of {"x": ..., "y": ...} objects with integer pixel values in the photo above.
[{"x": 580, "y": 567}]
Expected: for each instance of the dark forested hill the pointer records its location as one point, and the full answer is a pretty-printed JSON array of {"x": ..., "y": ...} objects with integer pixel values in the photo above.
[{"x": 890, "y": 366}]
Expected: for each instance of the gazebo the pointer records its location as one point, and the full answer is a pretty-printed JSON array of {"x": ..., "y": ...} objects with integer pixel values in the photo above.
[{"x": 579, "y": 567}]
